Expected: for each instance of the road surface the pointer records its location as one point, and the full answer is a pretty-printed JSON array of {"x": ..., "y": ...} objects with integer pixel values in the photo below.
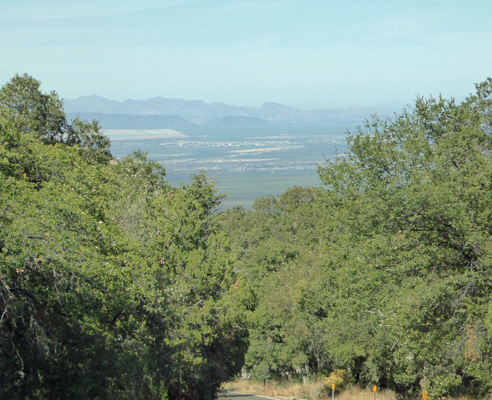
[{"x": 241, "y": 396}]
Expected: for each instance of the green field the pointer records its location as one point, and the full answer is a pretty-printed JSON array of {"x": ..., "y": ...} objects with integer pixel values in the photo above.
[{"x": 243, "y": 188}]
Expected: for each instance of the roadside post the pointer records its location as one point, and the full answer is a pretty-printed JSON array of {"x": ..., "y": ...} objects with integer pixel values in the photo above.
[
  {"x": 423, "y": 385},
  {"x": 374, "y": 389},
  {"x": 333, "y": 391}
]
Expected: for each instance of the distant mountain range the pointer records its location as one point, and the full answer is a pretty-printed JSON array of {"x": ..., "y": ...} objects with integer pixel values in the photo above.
[{"x": 160, "y": 112}]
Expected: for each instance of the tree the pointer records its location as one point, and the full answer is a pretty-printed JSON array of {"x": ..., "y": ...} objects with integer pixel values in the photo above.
[
  {"x": 64, "y": 283},
  {"x": 417, "y": 190},
  {"x": 113, "y": 284},
  {"x": 193, "y": 274},
  {"x": 42, "y": 115},
  {"x": 385, "y": 272},
  {"x": 278, "y": 242}
]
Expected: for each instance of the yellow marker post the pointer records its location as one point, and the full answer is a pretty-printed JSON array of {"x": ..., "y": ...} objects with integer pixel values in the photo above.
[
  {"x": 333, "y": 391},
  {"x": 425, "y": 395},
  {"x": 374, "y": 389}
]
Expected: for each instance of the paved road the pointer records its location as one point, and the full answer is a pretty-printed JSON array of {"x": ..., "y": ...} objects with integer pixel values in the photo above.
[{"x": 241, "y": 396}]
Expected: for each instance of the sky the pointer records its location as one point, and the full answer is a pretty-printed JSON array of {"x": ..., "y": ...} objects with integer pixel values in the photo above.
[{"x": 302, "y": 53}]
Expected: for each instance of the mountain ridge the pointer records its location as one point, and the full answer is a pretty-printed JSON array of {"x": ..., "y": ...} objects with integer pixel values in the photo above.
[{"x": 199, "y": 112}]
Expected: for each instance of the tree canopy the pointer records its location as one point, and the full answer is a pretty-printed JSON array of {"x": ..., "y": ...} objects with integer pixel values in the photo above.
[
  {"x": 115, "y": 284},
  {"x": 385, "y": 272}
]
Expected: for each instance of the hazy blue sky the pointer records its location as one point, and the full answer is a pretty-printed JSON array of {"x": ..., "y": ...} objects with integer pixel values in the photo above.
[{"x": 302, "y": 53}]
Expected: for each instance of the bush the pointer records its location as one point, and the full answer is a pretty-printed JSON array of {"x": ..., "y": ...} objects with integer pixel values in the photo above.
[{"x": 339, "y": 377}]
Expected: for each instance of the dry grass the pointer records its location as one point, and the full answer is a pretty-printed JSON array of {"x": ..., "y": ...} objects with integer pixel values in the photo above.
[
  {"x": 244, "y": 386},
  {"x": 312, "y": 390},
  {"x": 366, "y": 394}
]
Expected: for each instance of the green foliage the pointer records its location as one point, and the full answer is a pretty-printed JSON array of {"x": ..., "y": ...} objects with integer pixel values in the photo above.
[
  {"x": 193, "y": 280},
  {"x": 113, "y": 284},
  {"x": 35, "y": 112},
  {"x": 339, "y": 377},
  {"x": 63, "y": 283},
  {"x": 386, "y": 272},
  {"x": 140, "y": 182},
  {"x": 41, "y": 115},
  {"x": 116, "y": 285},
  {"x": 419, "y": 188}
]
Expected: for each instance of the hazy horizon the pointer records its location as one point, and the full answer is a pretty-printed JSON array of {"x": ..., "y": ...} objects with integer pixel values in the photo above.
[{"x": 389, "y": 105}]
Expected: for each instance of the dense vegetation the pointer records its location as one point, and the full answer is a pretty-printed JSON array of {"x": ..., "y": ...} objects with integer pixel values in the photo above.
[
  {"x": 116, "y": 285},
  {"x": 385, "y": 272}
]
